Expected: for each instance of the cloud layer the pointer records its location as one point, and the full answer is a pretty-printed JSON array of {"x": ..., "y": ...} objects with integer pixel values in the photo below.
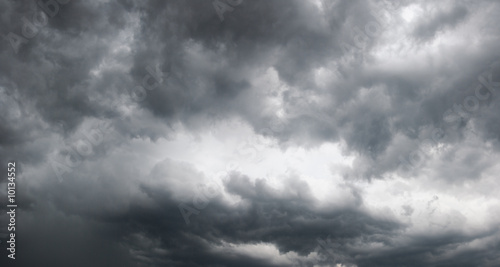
[{"x": 290, "y": 133}]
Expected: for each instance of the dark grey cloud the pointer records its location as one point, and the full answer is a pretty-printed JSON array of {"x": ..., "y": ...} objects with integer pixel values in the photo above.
[{"x": 415, "y": 106}]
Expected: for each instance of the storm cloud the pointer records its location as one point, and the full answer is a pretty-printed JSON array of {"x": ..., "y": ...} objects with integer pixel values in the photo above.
[{"x": 251, "y": 132}]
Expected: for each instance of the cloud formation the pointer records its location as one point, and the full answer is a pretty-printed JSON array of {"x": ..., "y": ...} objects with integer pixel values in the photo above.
[{"x": 290, "y": 133}]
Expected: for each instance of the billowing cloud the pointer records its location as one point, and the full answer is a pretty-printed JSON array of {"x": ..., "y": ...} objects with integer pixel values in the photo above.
[{"x": 251, "y": 133}]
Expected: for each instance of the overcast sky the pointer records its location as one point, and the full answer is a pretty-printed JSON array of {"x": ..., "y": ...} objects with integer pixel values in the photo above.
[{"x": 220, "y": 133}]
